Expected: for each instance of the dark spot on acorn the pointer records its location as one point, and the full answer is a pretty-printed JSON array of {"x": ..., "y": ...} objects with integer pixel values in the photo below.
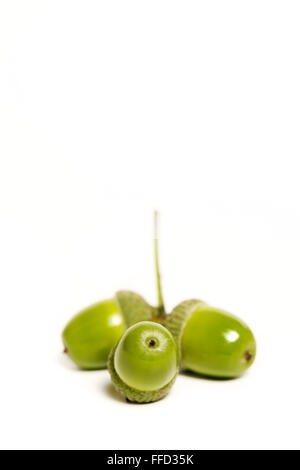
[
  {"x": 66, "y": 351},
  {"x": 152, "y": 342},
  {"x": 248, "y": 356}
]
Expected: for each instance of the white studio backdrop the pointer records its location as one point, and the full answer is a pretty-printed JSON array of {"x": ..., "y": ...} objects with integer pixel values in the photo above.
[{"x": 109, "y": 110}]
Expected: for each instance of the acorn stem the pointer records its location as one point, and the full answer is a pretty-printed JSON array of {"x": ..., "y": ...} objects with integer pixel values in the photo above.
[{"x": 161, "y": 306}]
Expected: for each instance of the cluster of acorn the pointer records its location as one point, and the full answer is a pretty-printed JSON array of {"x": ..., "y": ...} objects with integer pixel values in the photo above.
[{"x": 143, "y": 347}]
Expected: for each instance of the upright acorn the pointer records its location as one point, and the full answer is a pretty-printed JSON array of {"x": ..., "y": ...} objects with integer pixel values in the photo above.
[
  {"x": 89, "y": 337},
  {"x": 144, "y": 364}
]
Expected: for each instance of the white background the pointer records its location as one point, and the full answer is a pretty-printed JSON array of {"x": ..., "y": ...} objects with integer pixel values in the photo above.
[{"x": 109, "y": 109}]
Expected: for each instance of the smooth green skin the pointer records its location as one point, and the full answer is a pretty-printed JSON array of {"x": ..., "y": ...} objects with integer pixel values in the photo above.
[
  {"x": 216, "y": 344},
  {"x": 144, "y": 367},
  {"x": 90, "y": 335}
]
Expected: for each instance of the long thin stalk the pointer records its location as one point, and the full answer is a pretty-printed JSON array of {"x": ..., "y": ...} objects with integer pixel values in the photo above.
[{"x": 161, "y": 306}]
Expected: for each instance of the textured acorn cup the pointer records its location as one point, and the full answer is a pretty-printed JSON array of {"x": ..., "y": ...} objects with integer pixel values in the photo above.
[
  {"x": 211, "y": 342},
  {"x": 134, "y": 307},
  {"x": 144, "y": 364},
  {"x": 89, "y": 337}
]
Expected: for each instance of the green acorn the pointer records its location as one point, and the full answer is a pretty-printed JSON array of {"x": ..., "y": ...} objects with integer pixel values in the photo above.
[
  {"x": 211, "y": 341},
  {"x": 89, "y": 336},
  {"x": 144, "y": 364}
]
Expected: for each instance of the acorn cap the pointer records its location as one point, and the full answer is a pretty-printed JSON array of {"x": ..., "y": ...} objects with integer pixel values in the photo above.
[
  {"x": 133, "y": 395},
  {"x": 178, "y": 318},
  {"x": 134, "y": 307}
]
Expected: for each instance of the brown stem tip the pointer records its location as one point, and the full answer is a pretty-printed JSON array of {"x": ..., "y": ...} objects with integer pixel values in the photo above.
[
  {"x": 248, "y": 356},
  {"x": 66, "y": 351}
]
